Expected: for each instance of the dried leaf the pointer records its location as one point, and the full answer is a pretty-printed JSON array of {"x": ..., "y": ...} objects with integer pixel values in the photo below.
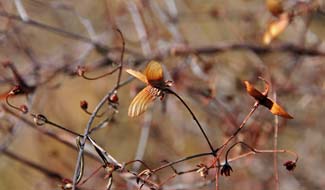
[{"x": 275, "y": 28}]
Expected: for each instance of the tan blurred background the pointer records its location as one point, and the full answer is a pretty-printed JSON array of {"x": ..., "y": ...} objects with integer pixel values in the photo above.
[{"x": 152, "y": 29}]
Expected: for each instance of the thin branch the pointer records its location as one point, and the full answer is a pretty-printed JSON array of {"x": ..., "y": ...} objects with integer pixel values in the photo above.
[
  {"x": 140, "y": 28},
  {"x": 257, "y": 48},
  {"x": 171, "y": 27},
  {"x": 84, "y": 138},
  {"x": 49, "y": 173},
  {"x": 143, "y": 140},
  {"x": 121, "y": 59},
  {"x": 64, "y": 33},
  {"x": 275, "y": 147},
  {"x": 241, "y": 125},
  {"x": 21, "y": 10},
  {"x": 181, "y": 160},
  {"x": 90, "y": 122}
]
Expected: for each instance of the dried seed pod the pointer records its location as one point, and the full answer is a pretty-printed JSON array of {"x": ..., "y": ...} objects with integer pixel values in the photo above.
[
  {"x": 275, "y": 7},
  {"x": 276, "y": 27},
  {"x": 226, "y": 169},
  {"x": 290, "y": 165},
  {"x": 154, "y": 78},
  {"x": 262, "y": 98}
]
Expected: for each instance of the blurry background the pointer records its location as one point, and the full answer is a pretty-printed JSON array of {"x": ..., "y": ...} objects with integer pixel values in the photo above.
[{"x": 48, "y": 39}]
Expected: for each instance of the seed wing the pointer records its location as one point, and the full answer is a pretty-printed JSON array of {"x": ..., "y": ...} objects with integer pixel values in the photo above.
[
  {"x": 253, "y": 92},
  {"x": 154, "y": 71},
  {"x": 137, "y": 75},
  {"x": 276, "y": 109},
  {"x": 141, "y": 101}
]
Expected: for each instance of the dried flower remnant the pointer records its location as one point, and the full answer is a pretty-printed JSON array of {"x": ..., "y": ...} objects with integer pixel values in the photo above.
[
  {"x": 262, "y": 98},
  {"x": 81, "y": 71},
  {"x": 203, "y": 170},
  {"x": 154, "y": 78},
  {"x": 276, "y": 27},
  {"x": 24, "y": 109},
  {"x": 290, "y": 165},
  {"x": 226, "y": 169}
]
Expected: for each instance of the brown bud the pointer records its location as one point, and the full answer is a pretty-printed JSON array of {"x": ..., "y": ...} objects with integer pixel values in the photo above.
[
  {"x": 113, "y": 98},
  {"x": 84, "y": 104}
]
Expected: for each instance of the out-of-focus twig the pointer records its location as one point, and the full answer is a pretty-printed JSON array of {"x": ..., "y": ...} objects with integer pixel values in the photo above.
[
  {"x": 143, "y": 139},
  {"x": 257, "y": 48},
  {"x": 171, "y": 27},
  {"x": 49, "y": 173},
  {"x": 140, "y": 28},
  {"x": 275, "y": 146},
  {"x": 64, "y": 33},
  {"x": 21, "y": 10}
]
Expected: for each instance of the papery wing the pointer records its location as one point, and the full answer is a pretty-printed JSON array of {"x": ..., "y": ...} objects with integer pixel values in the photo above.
[
  {"x": 276, "y": 27},
  {"x": 253, "y": 92},
  {"x": 154, "y": 71},
  {"x": 141, "y": 101},
  {"x": 276, "y": 109},
  {"x": 137, "y": 75}
]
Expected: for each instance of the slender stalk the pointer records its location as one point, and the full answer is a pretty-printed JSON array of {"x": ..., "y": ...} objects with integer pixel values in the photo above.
[
  {"x": 181, "y": 160},
  {"x": 275, "y": 154},
  {"x": 121, "y": 59},
  {"x": 101, "y": 76},
  {"x": 84, "y": 138},
  {"x": 213, "y": 151},
  {"x": 241, "y": 125},
  {"x": 47, "y": 172}
]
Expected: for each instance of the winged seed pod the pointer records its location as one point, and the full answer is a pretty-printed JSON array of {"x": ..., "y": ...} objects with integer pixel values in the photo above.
[
  {"x": 262, "y": 98},
  {"x": 275, "y": 28},
  {"x": 275, "y": 7},
  {"x": 154, "y": 78}
]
